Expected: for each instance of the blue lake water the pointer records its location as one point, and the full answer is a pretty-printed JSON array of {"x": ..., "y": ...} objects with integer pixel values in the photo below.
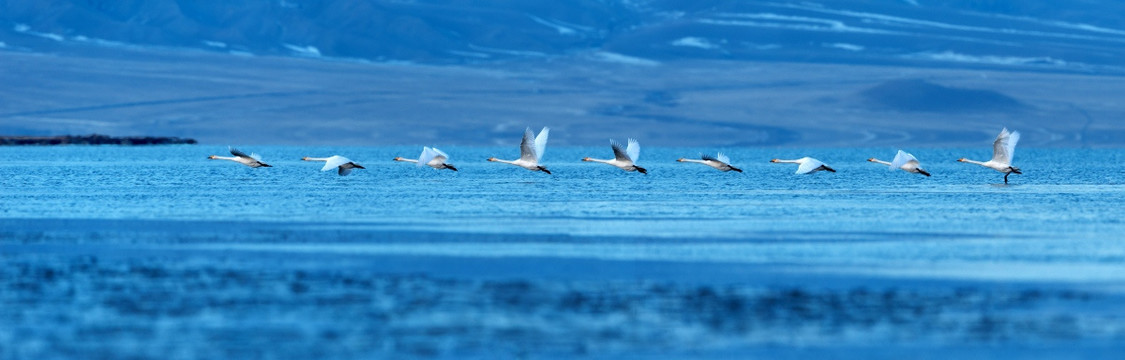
[{"x": 158, "y": 252}]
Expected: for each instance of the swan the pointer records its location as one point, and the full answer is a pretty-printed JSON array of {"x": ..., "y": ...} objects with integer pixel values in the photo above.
[
  {"x": 623, "y": 157},
  {"x": 252, "y": 160},
  {"x": 531, "y": 151},
  {"x": 343, "y": 165},
  {"x": 808, "y": 165},
  {"x": 721, "y": 162},
  {"x": 1002, "y": 151},
  {"x": 903, "y": 160},
  {"x": 430, "y": 156}
]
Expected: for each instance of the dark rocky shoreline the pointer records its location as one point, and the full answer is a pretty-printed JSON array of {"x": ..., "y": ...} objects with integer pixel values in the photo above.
[{"x": 94, "y": 139}]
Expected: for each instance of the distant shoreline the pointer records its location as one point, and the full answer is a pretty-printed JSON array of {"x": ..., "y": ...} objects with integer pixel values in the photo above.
[{"x": 93, "y": 139}]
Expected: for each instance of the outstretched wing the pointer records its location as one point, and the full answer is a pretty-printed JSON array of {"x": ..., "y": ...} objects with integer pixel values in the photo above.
[
  {"x": 634, "y": 150},
  {"x": 723, "y": 159},
  {"x": 440, "y": 155},
  {"x": 619, "y": 151},
  {"x": 527, "y": 146},
  {"x": 427, "y": 155},
  {"x": 334, "y": 162},
  {"x": 706, "y": 157},
  {"x": 901, "y": 158},
  {"x": 541, "y": 143},
  {"x": 1004, "y": 146},
  {"x": 238, "y": 153},
  {"x": 809, "y": 165}
]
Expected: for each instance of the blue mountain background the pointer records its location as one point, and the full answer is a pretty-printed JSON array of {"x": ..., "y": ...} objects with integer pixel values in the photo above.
[{"x": 669, "y": 72}]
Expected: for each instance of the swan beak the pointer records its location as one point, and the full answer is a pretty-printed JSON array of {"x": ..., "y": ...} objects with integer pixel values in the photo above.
[
  {"x": 871, "y": 159},
  {"x": 397, "y": 158},
  {"x": 491, "y": 159},
  {"x": 773, "y": 161},
  {"x": 586, "y": 158},
  {"x": 961, "y": 160},
  {"x": 680, "y": 160},
  {"x": 305, "y": 158},
  {"x": 212, "y": 157}
]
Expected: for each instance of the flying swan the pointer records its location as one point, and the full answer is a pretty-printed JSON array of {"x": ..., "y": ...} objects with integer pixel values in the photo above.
[
  {"x": 623, "y": 157},
  {"x": 430, "y": 156},
  {"x": 903, "y": 160},
  {"x": 721, "y": 162},
  {"x": 342, "y": 164},
  {"x": 252, "y": 160},
  {"x": 1002, "y": 151},
  {"x": 531, "y": 151},
  {"x": 808, "y": 165}
]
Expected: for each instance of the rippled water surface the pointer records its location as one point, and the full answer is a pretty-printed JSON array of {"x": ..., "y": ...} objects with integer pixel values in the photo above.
[{"x": 159, "y": 252}]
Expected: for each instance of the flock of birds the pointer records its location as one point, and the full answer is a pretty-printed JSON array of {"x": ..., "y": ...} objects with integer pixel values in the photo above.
[{"x": 625, "y": 157}]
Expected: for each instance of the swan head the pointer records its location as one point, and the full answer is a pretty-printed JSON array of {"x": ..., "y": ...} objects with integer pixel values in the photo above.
[
  {"x": 398, "y": 158},
  {"x": 871, "y": 159},
  {"x": 305, "y": 158},
  {"x": 961, "y": 160},
  {"x": 774, "y": 160},
  {"x": 681, "y": 160},
  {"x": 586, "y": 158},
  {"x": 212, "y": 157},
  {"x": 491, "y": 159}
]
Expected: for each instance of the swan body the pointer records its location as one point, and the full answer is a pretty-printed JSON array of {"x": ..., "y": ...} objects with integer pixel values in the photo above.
[
  {"x": 251, "y": 160},
  {"x": 432, "y": 157},
  {"x": 1003, "y": 149},
  {"x": 342, "y": 164},
  {"x": 808, "y": 165},
  {"x": 903, "y": 160},
  {"x": 721, "y": 162},
  {"x": 531, "y": 151},
  {"x": 624, "y": 158}
]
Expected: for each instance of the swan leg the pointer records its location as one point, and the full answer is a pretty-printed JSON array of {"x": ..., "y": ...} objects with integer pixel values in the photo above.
[{"x": 1006, "y": 177}]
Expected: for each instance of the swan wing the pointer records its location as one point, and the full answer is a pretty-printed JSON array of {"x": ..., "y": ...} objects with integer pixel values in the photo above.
[
  {"x": 634, "y": 150},
  {"x": 619, "y": 151},
  {"x": 440, "y": 154},
  {"x": 706, "y": 157},
  {"x": 808, "y": 165},
  {"x": 1011, "y": 145},
  {"x": 541, "y": 143},
  {"x": 427, "y": 155},
  {"x": 527, "y": 147},
  {"x": 239, "y": 153},
  {"x": 723, "y": 158},
  {"x": 902, "y": 158},
  {"x": 334, "y": 161},
  {"x": 1004, "y": 145}
]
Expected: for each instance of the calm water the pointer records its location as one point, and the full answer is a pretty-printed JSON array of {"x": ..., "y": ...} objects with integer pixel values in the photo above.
[{"x": 160, "y": 253}]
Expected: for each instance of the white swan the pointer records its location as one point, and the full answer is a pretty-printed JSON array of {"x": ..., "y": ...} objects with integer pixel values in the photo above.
[
  {"x": 623, "y": 157},
  {"x": 430, "y": 156},
  {"x": 252, "y": 160},
  {"x": 1002, "y": 151},
  {"x": 903, "y": 160},
  {"x": 343, "y": 165},
  {"x": 721, "y": 162},
  {"x": 808, "y": 165},
  {"x": 531, "y": 151}
]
